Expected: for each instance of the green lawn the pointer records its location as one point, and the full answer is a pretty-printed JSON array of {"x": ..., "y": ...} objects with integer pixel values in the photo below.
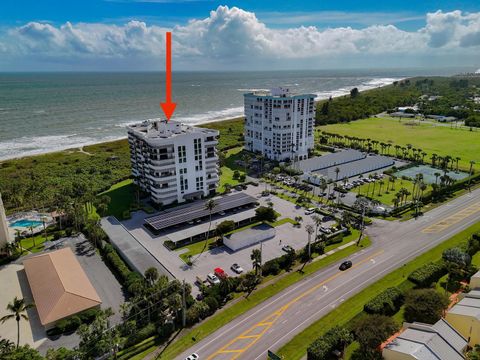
[
  {"x": 386, "y": 196},
  {"x": 440, "y": 140},
  {"x": 231, "y": 131},
  {"x": 227, "y": 170},
  {"x": 39, "y": 239},
  {"x": 223, "y": 317},
  {"x": 343, "y": 314},
  {"x": 122, "y": 196}
]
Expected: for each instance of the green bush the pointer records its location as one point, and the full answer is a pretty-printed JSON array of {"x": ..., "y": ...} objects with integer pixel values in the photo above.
[
  {"x": 166, "y": 330},
  {"x": 271, "y": 267},
  {"x": 428, "y": 274},
  {"x": 323, "y": 347},
  {"x": 169, "y": 244},
  {"x": 116, "y": 262},
  {"x": 387, "y": 302},
  {"x": 140, "y": 335},
  {"x": 126, "y": 215},
  {"x": 212, "y": 303}
]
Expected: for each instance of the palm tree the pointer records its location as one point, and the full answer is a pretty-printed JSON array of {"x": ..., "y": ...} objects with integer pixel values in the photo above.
[
  {"x": 209, "y": 205},
  {"x": 337, "y": 170},
  {"x": 437, "y": 174},
  {"x": 256, "y": 257},
  {"x": 318, "y": 221},
  {"x": 44, "y": 221},
  {"x": 17, "y": 309},
  {"x": 31, "y": 233},
  {"x": 470, "y": 172},
  {"x": 309, "y": 229}
]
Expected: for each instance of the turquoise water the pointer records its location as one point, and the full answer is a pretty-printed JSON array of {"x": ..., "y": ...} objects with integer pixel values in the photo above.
[{"x": 26, "y": 223}]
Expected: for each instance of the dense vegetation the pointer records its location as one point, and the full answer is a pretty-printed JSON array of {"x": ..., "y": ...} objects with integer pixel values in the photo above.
[
  {"x": 454, "y": 99},
  {"x": 43, "y": 181}
]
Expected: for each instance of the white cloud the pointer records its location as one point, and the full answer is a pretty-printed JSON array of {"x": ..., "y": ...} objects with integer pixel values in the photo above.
[{"x": 232, "y": 35}]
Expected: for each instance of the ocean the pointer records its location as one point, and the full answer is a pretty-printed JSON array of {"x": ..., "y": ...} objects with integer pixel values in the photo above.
[{"x": 44, "y": 112}]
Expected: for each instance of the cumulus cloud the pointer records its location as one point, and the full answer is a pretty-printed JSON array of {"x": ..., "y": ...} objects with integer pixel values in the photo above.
[{"x": 234, "y": 33}]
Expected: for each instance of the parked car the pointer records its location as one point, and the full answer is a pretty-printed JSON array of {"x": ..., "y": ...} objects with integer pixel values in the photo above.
[
  {"x": 325, "y": 230},
  {"x": 328, "y": 218},
  {"x": 213, "y": 279},
  {"x": 288, "y": 249},
  {"x": 220, "y": 273},
  {"x": 194, "y": 356},
  {"x": 345, "y": 265},
  {"x": 236, "y": 268},
  {"x": 309, "y": 211}
]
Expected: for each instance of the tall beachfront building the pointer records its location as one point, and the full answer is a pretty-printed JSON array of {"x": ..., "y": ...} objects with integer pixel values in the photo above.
[
  {"x": 4, "y": 233},
  {"x": 172, "y": 161},
  {"x": 279, "y": 124}
]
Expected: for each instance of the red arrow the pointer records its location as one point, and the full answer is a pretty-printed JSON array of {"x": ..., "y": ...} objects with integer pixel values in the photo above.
[{"x": 168, "y": 106}]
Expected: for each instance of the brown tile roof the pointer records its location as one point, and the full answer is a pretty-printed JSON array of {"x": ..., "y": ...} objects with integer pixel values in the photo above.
[{"x": 59, "y": 285}]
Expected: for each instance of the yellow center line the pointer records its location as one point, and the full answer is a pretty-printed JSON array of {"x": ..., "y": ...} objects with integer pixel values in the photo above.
[
  {"x": 270, "y": 320},
  {"x": 452, "y": 220}
]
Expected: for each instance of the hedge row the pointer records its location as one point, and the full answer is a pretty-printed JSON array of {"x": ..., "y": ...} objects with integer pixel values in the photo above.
[
  {"x": 325, "y": 345},
  {"x": 387, "y": 302},
  {"x": 427, "y": 274},
  {"x": 116, "y": 262}
]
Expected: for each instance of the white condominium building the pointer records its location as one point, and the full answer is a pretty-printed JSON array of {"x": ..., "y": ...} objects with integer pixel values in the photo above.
[
  {"x": 172, "y": 161},
  {"x": 278, "y": 124}
]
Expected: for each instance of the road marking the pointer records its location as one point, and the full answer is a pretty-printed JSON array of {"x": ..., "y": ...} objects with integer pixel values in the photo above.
[
  {"x": 452, "y": 219},
  {"x": 265, "y": 324}
]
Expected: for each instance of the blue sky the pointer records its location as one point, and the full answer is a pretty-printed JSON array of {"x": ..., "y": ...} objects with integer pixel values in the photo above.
[
  {"x": 406, "y": 14},
  {"x": 262, "y": 34}
]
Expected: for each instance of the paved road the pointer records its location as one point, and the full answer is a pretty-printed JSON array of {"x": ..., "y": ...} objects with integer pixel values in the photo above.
[{"x": 274, "y": 322}]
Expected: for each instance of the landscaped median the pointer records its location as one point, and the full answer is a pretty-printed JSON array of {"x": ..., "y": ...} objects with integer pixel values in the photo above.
[
  {"x": 297, "y": 347},
  {"x": 267, "y": 289}
]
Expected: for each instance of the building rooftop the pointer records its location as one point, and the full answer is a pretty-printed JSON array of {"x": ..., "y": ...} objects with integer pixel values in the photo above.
[
  {"x": 468, "y": 306},
  {"x": 279, "y": 92},
  {"x": 161, "y": 129},
  {"x": 423, "y": 341},
  {"x": 59, "y": 285}
]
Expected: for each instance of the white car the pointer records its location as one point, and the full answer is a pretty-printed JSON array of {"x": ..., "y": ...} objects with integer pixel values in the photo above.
[
  {"x": 213, "y": 279},
  {"x": 193, "y": 357},
  {"x": 309, "y": 211}
]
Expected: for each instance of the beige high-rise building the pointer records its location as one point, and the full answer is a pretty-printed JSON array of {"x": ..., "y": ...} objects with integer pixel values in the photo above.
[{"x": 4, "y": 234}]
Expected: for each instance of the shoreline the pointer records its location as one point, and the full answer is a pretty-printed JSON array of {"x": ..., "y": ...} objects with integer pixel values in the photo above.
[{"x": 334, "y": 94}]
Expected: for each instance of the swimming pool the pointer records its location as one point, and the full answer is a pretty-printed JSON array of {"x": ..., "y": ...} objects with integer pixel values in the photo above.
[{"x": 26, "y": 223}]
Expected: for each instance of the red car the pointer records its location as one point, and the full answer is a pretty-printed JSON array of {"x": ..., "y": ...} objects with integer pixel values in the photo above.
[{"x": 220, "y": 273}]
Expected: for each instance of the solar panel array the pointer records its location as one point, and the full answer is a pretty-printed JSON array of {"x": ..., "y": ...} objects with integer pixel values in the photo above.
[
  {"x": 370, "y": 163},
  {"x": 328, "y": 160},
  {"x": 197, "y": 210}
]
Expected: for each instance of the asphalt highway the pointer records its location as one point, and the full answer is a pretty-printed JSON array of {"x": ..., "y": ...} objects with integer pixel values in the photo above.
[{"x": 274, "y": 322}]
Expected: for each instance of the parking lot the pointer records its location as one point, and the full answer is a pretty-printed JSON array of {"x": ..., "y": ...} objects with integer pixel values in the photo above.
[{"x": 285, "y": 234}]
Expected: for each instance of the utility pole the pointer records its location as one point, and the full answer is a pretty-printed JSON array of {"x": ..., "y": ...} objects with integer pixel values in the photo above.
[
  {"x": 184, "y": 305},
  {"x": 261, "y": 255}
]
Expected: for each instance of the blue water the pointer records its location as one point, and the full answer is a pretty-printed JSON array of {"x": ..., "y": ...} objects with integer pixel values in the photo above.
[
  {"x": 26, "y": 223},
  {"x": 42, "y": 112}
]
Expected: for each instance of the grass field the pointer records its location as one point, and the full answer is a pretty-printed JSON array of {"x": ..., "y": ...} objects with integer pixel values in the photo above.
[
  {"x": 385, "y": 196},
  {"x": 122, "y": 196},
  {"x": 191, "y": 336},
  {"x": 343, "y": 314},
  {"x": 441, "y": 140}
]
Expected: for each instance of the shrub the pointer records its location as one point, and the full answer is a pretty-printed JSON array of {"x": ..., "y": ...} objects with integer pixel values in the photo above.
[
  {"x": 169, "y": 244},
  {"x": 427, "y": 274},
  {"x": 140, "y": 335},
  {"x": 425, "y": 305},
  {"x": 334, "y": 339},
  {"x": 271, "y": 267},
  {"x": 212, "y": 303},
  {"x": 126, "y": 215},
  {"x": 166, "y": 329},
  {"x": 387, "y": 302},
  {"x": 89, "y": 315}
]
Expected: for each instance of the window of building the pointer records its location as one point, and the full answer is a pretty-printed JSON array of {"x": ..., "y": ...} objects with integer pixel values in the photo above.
[
  {"x": 182, "y": 154},
  {"x": 199, "y": 183},
  {"x": 199, "y": 166}
]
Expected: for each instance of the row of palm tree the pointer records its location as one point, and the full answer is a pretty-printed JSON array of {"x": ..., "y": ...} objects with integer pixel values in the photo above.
[{"x": 407, "y": 152}]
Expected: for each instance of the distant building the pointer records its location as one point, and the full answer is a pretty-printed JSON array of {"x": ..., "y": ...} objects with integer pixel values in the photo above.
[
  {"x": 465, "y": 317},
  {"x": 59, "y": 286},
  {"x": 426, "y": 342},
  {"x": 278, "y": 124},
  {"x": 4, "y": 233},
  {"x": 172, "y": 161}
]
